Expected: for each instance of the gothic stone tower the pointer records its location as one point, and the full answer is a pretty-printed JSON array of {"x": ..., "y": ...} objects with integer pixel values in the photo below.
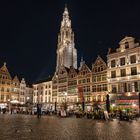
[{"x": 66, "y": 52}]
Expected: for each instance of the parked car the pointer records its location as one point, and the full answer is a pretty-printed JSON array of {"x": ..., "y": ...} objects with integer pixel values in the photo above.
[{"x": 34, "y": 110}]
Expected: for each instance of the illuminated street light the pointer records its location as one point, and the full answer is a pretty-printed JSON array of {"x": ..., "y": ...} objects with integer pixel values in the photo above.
[
  {"x": 113, "y": 105},
  {"x": 134, "y": 105}
]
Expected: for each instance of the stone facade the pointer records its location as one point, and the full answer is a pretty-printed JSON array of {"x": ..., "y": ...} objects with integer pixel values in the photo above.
[
  {"x": 43, "y": 91},
  {"x": 99, "y": 80},
  {"x": 124, "y": 70},
  {"x": 66, "y": 52},
  {"x": 12, "y": 90}
]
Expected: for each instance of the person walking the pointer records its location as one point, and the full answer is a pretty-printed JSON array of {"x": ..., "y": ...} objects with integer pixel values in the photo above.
[
  {"x": 106, "y": 115},
  {"x": 38, "y": 111}
]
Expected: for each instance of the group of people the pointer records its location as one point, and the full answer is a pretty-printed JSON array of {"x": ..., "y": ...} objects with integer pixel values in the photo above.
[{"x": 3, "y": 110}]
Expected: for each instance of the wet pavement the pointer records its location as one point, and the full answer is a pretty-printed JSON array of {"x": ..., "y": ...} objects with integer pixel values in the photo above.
[{"x": 26, "y": 127}]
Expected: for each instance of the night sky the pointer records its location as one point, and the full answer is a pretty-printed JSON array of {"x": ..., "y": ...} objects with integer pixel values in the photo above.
[{"x": 29, "y": 29}]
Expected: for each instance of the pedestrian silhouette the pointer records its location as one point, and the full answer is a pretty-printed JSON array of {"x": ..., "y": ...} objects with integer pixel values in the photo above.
[{"x": 38, "y": 111}]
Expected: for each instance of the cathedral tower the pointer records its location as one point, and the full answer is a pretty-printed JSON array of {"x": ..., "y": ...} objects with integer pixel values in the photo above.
[{"x": 66, "y": 52}]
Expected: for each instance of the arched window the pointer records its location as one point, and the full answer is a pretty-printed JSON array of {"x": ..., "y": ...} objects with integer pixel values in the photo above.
[{"x": 99, "y": 98}]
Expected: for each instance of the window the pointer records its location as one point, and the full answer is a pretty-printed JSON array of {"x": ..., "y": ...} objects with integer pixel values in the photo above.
[
  {"x": 126, "y": 45},
  {"x": 98, "y": 88},
  {"x": 104, "y": 88},
  {"x": 88, "y": 88},
  {"x": 84, "y": 80},
  {"x": 113, "y": 63},
  {"x": 129, "y": 87},
  {"x": 67, "y": 33},
  {"x": 103, "y": 77},
  {"x": 3, "y": 82},
  {"x": 45, "y": 98},
  {"x": 114, "y": 89},
  {"x": 98, "y": 78},
  {"x": 98, "y": 69},
  {"x": 94, "y": 78},
  {"x": 125, "y": 87},
  {"x": 94, "y": 88},
  {"x": 99, "y": 98},
  {"x": 8, "y": 90},
  {"x": 133, "y": 71},
  {"x": 123, "y": 72},
  {"x": 2, "y": 97},
  {"x": 113, "y": 74},
  {"x": 88, "y": 80},
  {"x": 122, "y": 61},
  {"x": 133, "y": 59},
  {"x": 102, "y": 68},
  {"x": 136, "y": 86},
  {"x": 8, "y": 83},
  {"x": 2, "y": 89}
]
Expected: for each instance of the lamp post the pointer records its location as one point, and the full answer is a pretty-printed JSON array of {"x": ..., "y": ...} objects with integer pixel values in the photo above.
[
  {"x": 107, "y": 103},
  {"x": 55, "y": 103},
  {"x": 28, "y": 101}
]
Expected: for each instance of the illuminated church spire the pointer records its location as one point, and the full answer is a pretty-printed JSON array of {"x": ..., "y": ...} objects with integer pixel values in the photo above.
[{"x": 66, "y": 52}]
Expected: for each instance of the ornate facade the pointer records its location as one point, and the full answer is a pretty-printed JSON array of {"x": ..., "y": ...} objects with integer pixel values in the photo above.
[
  {"x": 62, "y": 84},
  {"x": 72, "y": 96},
  {"x": 120, "y": 76},
  {"x": 85, "y": 82},
  {"x": 66, "y": 52},
  {"x": 43, "y": 91},
  {"x": 124, "y": 70},
  {"x": 11, "y": 91},
  {"x": 99, "y": 80}
]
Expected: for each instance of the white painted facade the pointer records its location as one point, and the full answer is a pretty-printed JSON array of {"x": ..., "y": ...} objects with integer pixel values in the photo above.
[
  {"x": 42, "y": 92},
  {"x": 123, "y": 72}
]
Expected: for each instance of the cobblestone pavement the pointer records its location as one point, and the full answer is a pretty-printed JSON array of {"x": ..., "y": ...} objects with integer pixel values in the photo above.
[{"x": 26, "y": 127}]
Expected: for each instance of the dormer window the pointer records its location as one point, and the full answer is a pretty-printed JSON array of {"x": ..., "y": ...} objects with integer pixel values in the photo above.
[
  {"x": 126, "y": 45},
  {"x": 113, "y": 63}
]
